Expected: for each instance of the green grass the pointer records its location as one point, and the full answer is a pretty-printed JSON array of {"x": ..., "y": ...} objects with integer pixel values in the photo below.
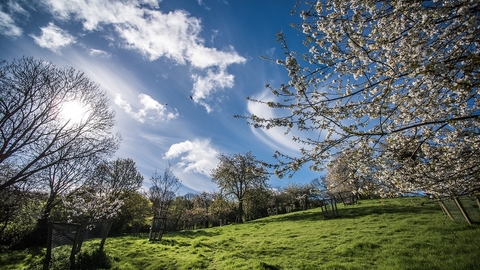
[{"x": 374, "y": 234}]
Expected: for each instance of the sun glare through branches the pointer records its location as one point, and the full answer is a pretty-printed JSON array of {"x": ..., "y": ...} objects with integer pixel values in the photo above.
[{"x": 73, "y": 112}]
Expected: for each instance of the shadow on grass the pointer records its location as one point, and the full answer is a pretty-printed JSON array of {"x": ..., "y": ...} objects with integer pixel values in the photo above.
[
  {"x": 29, "y": 256},
  {"x": 355, "y": 211},
  {"x": 195, "y": 233},
  {"x": 267, "y": 266}
]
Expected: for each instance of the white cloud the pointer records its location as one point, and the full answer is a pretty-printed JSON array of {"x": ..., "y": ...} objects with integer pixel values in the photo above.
[
  {"x": 202, "y": 57},
  {"x": 53, "y": 38},
  {"x": 197, "y": 156},
  {"x": 99, "y": 53},
  {"x": 7, "y": 25},
  {"x": 204, "y": 86},
  {"x": 151, "y": 109},
  {"x": 142, "y": 27}
]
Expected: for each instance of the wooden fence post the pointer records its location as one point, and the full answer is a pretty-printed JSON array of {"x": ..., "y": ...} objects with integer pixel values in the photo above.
[{"x": 462, "y": 210}]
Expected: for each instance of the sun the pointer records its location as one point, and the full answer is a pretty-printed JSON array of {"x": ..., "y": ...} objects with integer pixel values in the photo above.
[{"x": 73, "y": 111}]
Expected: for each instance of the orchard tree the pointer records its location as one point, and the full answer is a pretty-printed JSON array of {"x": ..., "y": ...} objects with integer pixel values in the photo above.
[
  {"x": 340, "y": 177},
  {"x": 238, "y": 175},
  {"x": 48, "y": 116},
  {"x": 90, "y": 205},
  {"x": 294, "y": 193},
  {"x": 395, "y": 80}
]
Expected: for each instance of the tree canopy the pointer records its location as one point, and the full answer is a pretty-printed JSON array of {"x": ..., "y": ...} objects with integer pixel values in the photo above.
[
  {"x": 395, "y": 83},
  {"x": 239, "y": 174}
]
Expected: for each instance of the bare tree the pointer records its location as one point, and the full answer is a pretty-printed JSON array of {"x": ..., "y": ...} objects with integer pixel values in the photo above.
[
  {"x": 60, "y": 180},
  {"x": 63, "y": 178},
  {"x": 162, "y": 193},
  {"x": 239, "y": 174},
  {"x": 35, "y": 131},
  {"x": 120, "y": 176}
]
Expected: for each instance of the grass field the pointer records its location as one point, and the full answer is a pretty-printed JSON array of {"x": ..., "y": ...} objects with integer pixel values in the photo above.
[{"x": 408, "y": 233}]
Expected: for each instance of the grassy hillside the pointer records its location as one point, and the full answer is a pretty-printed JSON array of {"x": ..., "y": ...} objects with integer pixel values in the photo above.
[{"x": 374, "y": 234}]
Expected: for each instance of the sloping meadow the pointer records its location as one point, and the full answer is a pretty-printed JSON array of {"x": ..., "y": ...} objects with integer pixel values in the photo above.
[{"x": 406, "y": 233}]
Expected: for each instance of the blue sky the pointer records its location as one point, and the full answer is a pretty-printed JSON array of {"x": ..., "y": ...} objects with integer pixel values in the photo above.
[{"x": 176, "y": 72}]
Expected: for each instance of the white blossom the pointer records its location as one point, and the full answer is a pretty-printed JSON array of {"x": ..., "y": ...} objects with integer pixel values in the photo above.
[{"x": 407, "y": 74}]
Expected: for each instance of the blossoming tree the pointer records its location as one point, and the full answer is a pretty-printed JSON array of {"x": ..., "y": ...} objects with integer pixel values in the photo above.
[{"x": 395, "y": 82}]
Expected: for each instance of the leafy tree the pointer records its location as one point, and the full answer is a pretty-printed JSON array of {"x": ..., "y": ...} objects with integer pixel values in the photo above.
[
  {"x": 196, "y": 214},
  {"x": 202, "y": 201},
  {"x": 221, "y": 207},
  {"x": 135, "y": 211},
  {"x": 20, "y": 209},
  {"x": 256, "y": 203},
  {"x": 179, "y": 210},
  {"x": 398, "y": 81},
  {"x": 35, "y": 133},
  {"x": 238, "y": 175}
]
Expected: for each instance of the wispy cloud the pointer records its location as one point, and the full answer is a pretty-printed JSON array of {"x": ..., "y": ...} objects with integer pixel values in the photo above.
[
  {"x": 271, "y": 51},
  {"x": 10, "y": 11},
  {"x": 274, "y": 137},
  {"x": 53, "y": 38},
  {"x": 144, "y": 28},
  {"x": 151, "y": 109},
  {"x": 16, "y": 8},
  {"x": 195, "y": 156},
  {"x": 7, "y": 25}
]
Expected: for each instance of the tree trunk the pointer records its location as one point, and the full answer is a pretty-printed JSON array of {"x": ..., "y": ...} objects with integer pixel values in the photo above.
[{"x": 240, "y": 211}]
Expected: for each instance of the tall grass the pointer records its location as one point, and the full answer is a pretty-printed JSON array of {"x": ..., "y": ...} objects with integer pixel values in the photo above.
[{"x": 408, "y": 233}]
